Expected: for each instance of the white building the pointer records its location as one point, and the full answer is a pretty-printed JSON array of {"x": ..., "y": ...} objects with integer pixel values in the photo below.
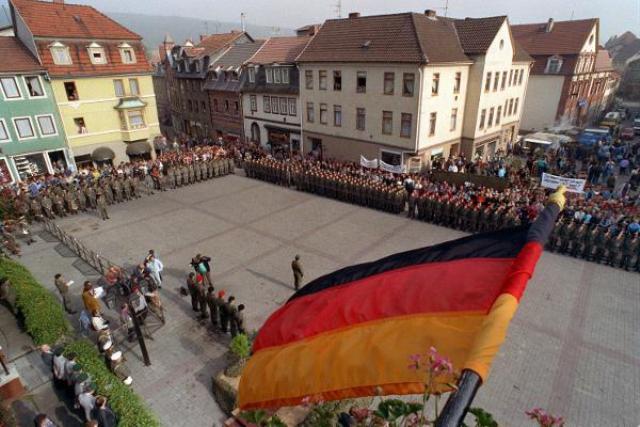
[{"x": 409, "y": 85}]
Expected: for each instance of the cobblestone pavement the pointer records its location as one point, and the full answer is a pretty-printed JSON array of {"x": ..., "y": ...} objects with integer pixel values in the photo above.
[{"x": 572, "y": 347}]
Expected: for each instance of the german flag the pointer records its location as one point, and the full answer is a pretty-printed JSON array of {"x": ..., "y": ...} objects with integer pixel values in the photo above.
[{"x": 350, "y": 333}]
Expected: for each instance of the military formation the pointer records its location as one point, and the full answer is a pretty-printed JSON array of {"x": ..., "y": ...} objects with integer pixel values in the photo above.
[{"x": 464, "y": 207}]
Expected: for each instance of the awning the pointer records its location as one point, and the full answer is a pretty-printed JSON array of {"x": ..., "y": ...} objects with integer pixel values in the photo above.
[
  {"x": 130, "y": 103},
  {"x": 103, "y": 153},
  {"x": 138, "y": 148}
]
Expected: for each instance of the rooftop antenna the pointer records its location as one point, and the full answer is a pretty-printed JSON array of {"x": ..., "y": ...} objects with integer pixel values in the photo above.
[
  {"x": 242, "y": 18},
  {"x": 446, "y": 8},
  {"x": 338, "y": 9},
  {"x": 275, "y": 31},
  {"x": 206, "y": 27}
]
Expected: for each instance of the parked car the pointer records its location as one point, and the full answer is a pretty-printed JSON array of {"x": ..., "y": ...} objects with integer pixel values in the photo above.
[{"x": 627, "y": 133}]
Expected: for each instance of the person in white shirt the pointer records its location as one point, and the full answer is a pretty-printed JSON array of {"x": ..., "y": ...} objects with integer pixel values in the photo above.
[
  {"x": 59, "y": 362},
  {"x": 155, "y": 267},
  {"x": 87, "y": 400}
]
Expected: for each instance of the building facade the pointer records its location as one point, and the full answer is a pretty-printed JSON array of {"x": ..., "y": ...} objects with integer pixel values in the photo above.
[
  {"x": 32, "y": 138},
  {"x": 270, "y": 94},
  {"x": 223, "y": 88},
  {"x": 566, "y": 88},
  {"x": 100, "y": 77},
  {"x": 186, "y": 72},
  {"x": 413, "y": 97}
]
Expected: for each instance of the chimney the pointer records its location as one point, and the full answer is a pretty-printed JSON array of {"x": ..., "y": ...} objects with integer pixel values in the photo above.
[
  {"x": 203, "y": 36},
  {"x": 549, "y": 26},
  {"x": 430, "y": 13},
  {"x": 59, "y": 1},
  {"x": 353, "y": 15}
]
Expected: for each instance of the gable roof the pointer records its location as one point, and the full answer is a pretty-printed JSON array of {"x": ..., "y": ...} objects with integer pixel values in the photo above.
[
  {"x": 48, "y": 19},
  {"x": 565, "y": 38},
  {"x": 603, "y": 61},
  {"x": 403, "y": 37},
  {"x": 216, "y": 42},
  {"x": 236, "y": 55},
  {"x": 280, "y": 50},
  {"x": 21, "y": 58},
  {"x": 477, "y": 34}
]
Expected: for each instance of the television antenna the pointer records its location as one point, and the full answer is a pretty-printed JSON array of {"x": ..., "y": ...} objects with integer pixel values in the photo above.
[
  {"x": 338, "y": 9},
  {"x": 445, "y": 8},
  {"x": 243, "y": 16}
]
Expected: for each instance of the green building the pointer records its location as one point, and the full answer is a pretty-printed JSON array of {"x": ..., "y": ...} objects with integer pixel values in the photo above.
[{"x": 32, "y": 139}]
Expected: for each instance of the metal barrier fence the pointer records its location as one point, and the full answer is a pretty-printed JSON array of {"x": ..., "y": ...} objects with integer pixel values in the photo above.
[{"x": 97, "y": 261}]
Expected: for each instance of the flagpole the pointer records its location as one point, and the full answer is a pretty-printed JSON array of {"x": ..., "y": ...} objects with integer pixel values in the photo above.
[{"x": 459, "y": 401}]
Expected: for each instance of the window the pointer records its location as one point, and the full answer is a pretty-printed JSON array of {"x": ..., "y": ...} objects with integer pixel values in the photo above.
[
  {"x": 266, "y": 104},
  {"x": 275, "y": 106},
  {"x": 521, "y": 76},
  {"x": 492, "y": 111},
  {"x": 10, "y": 88},
  {"x": 408, "y": 83},
  {"x": 70, "y": 89},
  {"x": 483, "y": 115},
  {"x": 34, "y": 86},
  {"x": 337, "y": 80},
  {"x": 322, "y": 79},
  {"x": 277, "y": 75},
  {"x": 253, "y": 103},
  {"x": 515, "y": 106},
  {"x": 496, "y": 80},
  {"x": 454, "y": 119},
  {"x": 269, "y": 73},
  {"x": 323, "y": 114},
  {"x": 311, "y": 115},
  {"x": 554, "y": 64},
  {"x": 498, "y": 114},
  {"x": 119, "y": 87},
  {"x": 361, "y": 118},
  {"x": 511, "y": 77},
  {"x": 389, "y": 82},
  {"x": 96, "y": 54},
  {"x": 361, "y": 82},
  {"x": 133, "y": 87},
  {"x": 285, "y": 75},
  {"x": 136, "y": 119},
  {"x": 457, "y": 83},
  {"x": 284, "y": 106},
  {"x": 251, "y": 71},
  {"x": 47, "y": 125},
  {"x": 432, "y": 123},
  {"x": 24, "y": 127},
  {"x": 487, "y": 83},
  {"x": 189, "y": 105},
  {"x": 60, "y": 54},
  {"x": 387, "y": 123},
  {"x": 337, "y": 115},
  {"x": 435, "y": 84},
  {"x": 292, "y": 107},
  {"x": 405, "y": 125},
  {"x": 510, "y": 106},
  {"x": 506, "y": 104},
  {"x": 226, "y": 105},
  {"x": 391, "y": 158},
  {"x": 504, "y": 80},
  {"x": 203, "y": 106},
  {"x": 4, "y": 133},
  {"x": 127, "y": 55},
  {"x": 308, "y": 77}
]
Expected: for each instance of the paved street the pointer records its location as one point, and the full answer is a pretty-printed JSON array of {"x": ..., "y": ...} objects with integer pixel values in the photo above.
[{"x": 572, "y": 348}]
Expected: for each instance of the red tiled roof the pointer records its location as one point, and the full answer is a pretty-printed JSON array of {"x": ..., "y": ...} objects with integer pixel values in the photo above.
[
  {"x": 280, "y": 50},
  {"x": 21, "y": 58},
  {"x": 82, "y": 65},
  {"x": 218, "y": 41},
  {"x": 565, "y": 38},
  {"x": 404, "y": 37},
  {"x": 603, "y": 61}
]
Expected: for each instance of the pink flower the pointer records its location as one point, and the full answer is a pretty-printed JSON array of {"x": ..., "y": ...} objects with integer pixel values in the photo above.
[
  {"x": 544, "y": 419},
  {"x": 360, "y": 414},
  {"x": 438, "y": 364}
]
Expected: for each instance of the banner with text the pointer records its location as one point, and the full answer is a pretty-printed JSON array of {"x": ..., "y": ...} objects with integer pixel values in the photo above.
[
  {"x": 371, "y": 164},
  {"x": 391, "y": 168},
  {"x": 574, "y": 185}
]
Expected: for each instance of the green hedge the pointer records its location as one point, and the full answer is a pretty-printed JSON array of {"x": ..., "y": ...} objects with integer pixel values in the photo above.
[
  {"x": 44, "y": 316},
  {"x": 127, "y": 405}
]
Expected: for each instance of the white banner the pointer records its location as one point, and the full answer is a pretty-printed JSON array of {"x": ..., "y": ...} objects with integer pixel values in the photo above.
[
  {"x": 371, "y": 164},
  {"x": 391, "y": 168},
  {"x": 573, "y": 185}
]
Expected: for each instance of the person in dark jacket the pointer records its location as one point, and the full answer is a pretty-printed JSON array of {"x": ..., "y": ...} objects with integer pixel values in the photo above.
[{"x": 103, "y": 414}]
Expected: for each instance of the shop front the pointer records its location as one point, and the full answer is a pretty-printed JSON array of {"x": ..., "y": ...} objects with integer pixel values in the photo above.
[
  {"x": 30, "y": 165},
  {"x": 282, "y": 141}
]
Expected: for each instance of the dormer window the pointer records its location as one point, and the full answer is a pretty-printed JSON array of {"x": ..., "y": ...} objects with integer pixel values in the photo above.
[
  {"x": 554, "y": 65},
  {"x": 127, "y": 54},
  {"x": 96, "y": 54},
  {"x": 60, "y": 54},
  {"x": 252, "y": 74}
]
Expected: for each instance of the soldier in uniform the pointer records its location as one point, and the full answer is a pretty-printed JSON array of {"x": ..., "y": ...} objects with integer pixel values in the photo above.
[
  {"x": 629, "y": 251},
  {"x": 298, "y": 274},
  {"x": 90, "y": 192},
  {"x": 102, "y": 207},
  {"x": 185, "y": 174},
  {"x": 238, "y": 319},
  {"x": 36, "y": 209},
  {"x": 615, "y": 249},
  {"x": 599, "y": 242},
  {"x": 59, "y": 205},
  {"x": 213, "y": 308},
  {"x": 178, "y": 173},
  {"x": 47, "y": 206},
  {"x": 232, "y": 311},
  {"x": 117, "y": 190}
]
